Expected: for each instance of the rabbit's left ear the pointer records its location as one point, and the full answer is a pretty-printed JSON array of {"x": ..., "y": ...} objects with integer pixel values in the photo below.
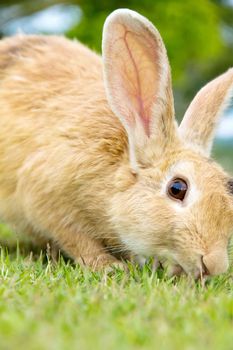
[
  {"x": 138, "y": 83},
  {"x": 200, "y": 120}
]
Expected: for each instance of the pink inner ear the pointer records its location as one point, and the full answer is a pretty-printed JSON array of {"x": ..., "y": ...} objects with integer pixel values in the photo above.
[
  {"x": 143, "y": 110},
  {"x": 133, "y": 70}
]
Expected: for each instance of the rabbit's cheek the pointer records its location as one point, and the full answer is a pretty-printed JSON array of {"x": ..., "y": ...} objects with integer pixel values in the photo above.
[{"x": 138, "y": 245}]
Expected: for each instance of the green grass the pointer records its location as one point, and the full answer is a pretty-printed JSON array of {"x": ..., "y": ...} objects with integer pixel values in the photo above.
[{"x": 44, "y": 305}]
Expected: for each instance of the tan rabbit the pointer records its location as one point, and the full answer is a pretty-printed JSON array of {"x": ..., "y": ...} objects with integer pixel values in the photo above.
[{"x": 99, "y": 165}]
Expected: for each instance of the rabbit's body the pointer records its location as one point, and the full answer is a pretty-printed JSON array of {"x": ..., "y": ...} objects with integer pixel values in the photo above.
[
  {"x": 49, "y": 152},
  {"x": 96, "y": 162}
]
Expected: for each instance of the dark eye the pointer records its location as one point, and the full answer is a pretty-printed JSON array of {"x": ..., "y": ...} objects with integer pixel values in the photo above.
[
  {"x": 230, "y": 186},
  {"x": 177, "y": 189}
]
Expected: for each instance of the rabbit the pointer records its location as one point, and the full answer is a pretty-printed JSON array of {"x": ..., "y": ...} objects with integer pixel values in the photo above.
[{"x": 92, "y": 158}]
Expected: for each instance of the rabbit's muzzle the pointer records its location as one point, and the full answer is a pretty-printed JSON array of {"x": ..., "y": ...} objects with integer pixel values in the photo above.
[{"x": 212, "y": 263}]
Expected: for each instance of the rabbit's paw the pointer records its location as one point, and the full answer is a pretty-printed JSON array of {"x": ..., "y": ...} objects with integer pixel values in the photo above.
[{"x": 103, "y": 262}]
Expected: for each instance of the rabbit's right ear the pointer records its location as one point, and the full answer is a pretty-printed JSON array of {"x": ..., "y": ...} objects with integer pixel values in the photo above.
[
  {"x": 138, "y": 83},
  {"x": 200, "y": 120}
]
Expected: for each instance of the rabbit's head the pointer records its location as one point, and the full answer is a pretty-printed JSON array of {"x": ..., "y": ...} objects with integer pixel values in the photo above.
[{"x": 180, "y": 204}]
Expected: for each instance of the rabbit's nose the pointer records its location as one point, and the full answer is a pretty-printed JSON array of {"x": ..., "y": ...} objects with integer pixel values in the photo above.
[{"x": 215, "y": 263}]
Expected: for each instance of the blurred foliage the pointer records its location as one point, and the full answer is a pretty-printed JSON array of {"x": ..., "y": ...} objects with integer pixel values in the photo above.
[
  {"x": 198, "y": 35},
  {"x": 191, "y": 33}
]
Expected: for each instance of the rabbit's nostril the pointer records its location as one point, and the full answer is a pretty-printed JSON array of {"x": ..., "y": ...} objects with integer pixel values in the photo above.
[
  {"x": 205, "y": 270},
  {"x": 202, "y": 272}
]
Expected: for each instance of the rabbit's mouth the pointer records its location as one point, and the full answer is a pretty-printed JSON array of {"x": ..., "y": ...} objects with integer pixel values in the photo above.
[
  {"x": 201, "y": 271},
  {"x": 200, "y": 274},
  {"x": 176, "y": 270}
]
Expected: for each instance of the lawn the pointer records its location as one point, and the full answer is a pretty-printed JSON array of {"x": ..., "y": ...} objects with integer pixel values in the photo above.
[{"x": 49, "y": 305}]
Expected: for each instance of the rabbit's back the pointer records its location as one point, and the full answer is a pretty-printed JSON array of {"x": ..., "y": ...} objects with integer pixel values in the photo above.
[{"x": 53, "y": 104}]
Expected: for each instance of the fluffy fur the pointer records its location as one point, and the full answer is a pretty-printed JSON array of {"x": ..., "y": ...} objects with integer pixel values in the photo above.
[{"x": 72, "y": 172}]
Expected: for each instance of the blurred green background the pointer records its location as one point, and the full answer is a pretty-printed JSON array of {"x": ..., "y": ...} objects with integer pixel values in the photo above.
[{"x": 198, "y": 36}]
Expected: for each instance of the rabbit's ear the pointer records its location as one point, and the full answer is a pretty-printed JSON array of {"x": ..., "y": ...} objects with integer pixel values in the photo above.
[
  {"x": 201, "y": 118},
  {"x": 137, "y": 81}
]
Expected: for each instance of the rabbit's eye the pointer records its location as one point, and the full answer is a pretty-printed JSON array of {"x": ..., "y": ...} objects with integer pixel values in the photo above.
[
  {"x": 177, "y": 189},
  {"x": 230, "y": 186}
]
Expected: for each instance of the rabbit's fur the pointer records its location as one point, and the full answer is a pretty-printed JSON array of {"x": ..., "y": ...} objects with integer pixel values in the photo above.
[{"x": 71, "y": 171}]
